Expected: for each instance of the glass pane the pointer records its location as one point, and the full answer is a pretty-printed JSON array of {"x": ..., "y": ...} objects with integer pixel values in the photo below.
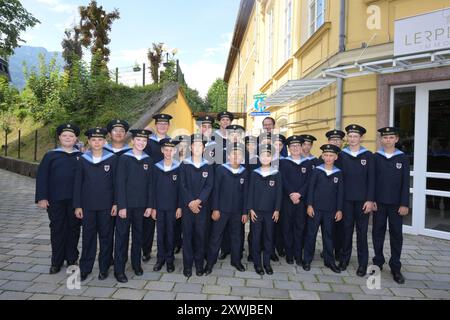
[
  {"x": 439, "y": 131},
  {"x": 407, "y": 221},
  {"x": 438, "y": 213},
  {"x": 438, "y": 184},
  {"x": 404, "y": 119}
]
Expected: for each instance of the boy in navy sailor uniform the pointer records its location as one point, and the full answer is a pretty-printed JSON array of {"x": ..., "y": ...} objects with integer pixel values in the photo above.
[
  {"x": 167, "y": 206},
  {"x": 153, "y": 149},
  {"x": 359, "y": 175},
  {"x": 182, "y": 152},
  {"x": 336, "y": 137},
  {"x": 95, "y": 202},
  {"x": 279, "y": 143},
  {"x": 308, "y": 143},
  {"x": 251, "y": 163},
  {"x": 205, "y": 128},
  {"x": 54, "y": 192},
  {"x": 117, "y": 130},
  {"x": 197, "y": 182},
  {"x": 229, "y": 208},
  {"x": 295, "y": 176},
  {"x": 235, "y": 134},
  {"x": 391, "y": 200},
  {"x": 264, "y": 204},
  {"x": 225, "y": 119},
  {"x": 324, "y": 200},
  {"x": 134, "y": 201}
]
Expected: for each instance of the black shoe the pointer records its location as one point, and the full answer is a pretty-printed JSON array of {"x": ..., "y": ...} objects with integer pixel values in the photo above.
[
  {"x": 200, "y": 272},
  {"x": 102, "y": 276},
  {"x": 306, "y": 266},
  {"x": 208, "y": 269},
  {"x": 361, "y": 272},
  {"x": 268, "y": 269},
  {"x": 290, "y": 260},
  {"x": 398, "y": 277},
  {"x": 259, "y": 271},
  {"x": 146, "y": 257},
  {"x": 177, "y": 249},
  {"x": 333, "y": 267},
  {"x": 170, "y": 267},
  {"x": 187, "y": 273},
  {"x": 239, "y": 267},
  {"x": 138, "y": 271},
  {"x": 250, "y": 258},
  {"x": 274, "y": 257},
  {"x": 223, "y": 256},
  {"x": 298, "y": 261},
  {"x": 158, "y": 266},
  {"x": 380, "y": 267},
  {"x": 122, "y": 278},
  {"x": 84, "y": 276},
  {"x": 342, "y": 266},
  {"x": 54, "y": 269}
]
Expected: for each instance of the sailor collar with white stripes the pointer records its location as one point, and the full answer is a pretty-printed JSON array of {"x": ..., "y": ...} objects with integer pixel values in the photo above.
[
  {"x": 74, "y": 150},
  {"x": 273, "y": 171},
  {"x": 350, "y": 153},
  {"x": 160, "y": 166},
  {"x": 90, "y": 157},
  {"x": 384, "y": 154},
  {"x": 233, "y": 171},
  {"x": 322, "y": 168},
  {"x": 110, "y": 148},
  {"x": 297, "y": 162},
  {"x": 197, "y": 165},
  {"x": 154, "y": 137},
  {"x": 132, "y": 155}
]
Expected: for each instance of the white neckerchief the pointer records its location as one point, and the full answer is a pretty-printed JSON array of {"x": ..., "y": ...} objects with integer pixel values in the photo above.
[{"x": 96, "y": 159}]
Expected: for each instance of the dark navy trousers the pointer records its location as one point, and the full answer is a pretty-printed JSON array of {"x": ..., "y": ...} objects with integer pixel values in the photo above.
[
  {"x": 96, "y": 223},
  {"x": 148, "y": 235},
  {"x": 326, "y": 221},
  {"x": 293, "y": 227},
  {"x": 194, "y": 241},
  {"x": 380, "y": 218},
  {"x": 165, "y": 236},
  {"x": 262, "y": 233},
  {"x": 135, "y": 217},
  {"x": 228, "y": 223},
  {"x": 355, "y": 216},
  {"x": 64, "y": 232}
]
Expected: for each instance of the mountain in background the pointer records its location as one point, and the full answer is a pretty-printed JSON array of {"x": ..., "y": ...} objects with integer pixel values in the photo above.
[{"x": 31, "y": 57}]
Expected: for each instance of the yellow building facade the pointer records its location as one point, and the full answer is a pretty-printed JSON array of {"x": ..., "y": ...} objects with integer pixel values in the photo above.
[{"x": 324, "y": 64}]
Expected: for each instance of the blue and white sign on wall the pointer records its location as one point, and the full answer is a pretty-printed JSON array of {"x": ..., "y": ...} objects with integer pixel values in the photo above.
[{"x": 260, "y": 109}]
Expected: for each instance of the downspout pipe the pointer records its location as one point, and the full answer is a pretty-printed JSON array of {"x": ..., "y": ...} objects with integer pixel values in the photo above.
[{"x": 340, "y": 81}]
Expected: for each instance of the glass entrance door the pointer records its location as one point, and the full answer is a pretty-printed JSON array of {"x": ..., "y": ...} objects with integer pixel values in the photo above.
[{"x": 422, "y": 112}]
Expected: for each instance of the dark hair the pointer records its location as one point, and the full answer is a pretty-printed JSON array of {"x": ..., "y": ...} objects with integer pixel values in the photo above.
[{"x": 271, "y": 119}]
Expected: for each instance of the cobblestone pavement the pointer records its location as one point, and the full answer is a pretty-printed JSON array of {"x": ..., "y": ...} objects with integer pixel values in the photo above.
[{"x": 25, "y": 259}]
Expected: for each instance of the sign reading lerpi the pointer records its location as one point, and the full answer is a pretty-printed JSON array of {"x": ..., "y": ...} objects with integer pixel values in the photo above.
[{"x": 426, "y": 32}]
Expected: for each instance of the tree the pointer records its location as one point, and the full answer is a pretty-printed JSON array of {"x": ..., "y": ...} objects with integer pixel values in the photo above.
[
  {"x": 193, "y": 97},
  {"x": 155, "y": 57},
  {"x": 217, "y": 96},
  {"x": 94, "y": 27},
  {"x": 72, "y": 48},
  {"x": 14, "y": 19}
]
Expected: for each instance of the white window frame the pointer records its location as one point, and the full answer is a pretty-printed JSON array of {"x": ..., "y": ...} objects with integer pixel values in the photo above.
[
  {"x": 288, "y": 29},
  {"x": 316, "y": 17}
]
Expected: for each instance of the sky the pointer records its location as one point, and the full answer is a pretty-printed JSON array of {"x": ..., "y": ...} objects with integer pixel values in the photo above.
[{"x": 201, "y": 31}]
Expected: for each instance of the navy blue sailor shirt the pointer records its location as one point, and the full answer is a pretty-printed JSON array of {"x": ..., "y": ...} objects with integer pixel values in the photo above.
[
  {"x": 230, "y": 189},
  {"x": 134, "y": 185},
  {"x": 94, "y": 182},
  {"x": 392, "y": 178},
  {"x": 56, "y": 175},
  {"x": 326, "y": 192}
]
